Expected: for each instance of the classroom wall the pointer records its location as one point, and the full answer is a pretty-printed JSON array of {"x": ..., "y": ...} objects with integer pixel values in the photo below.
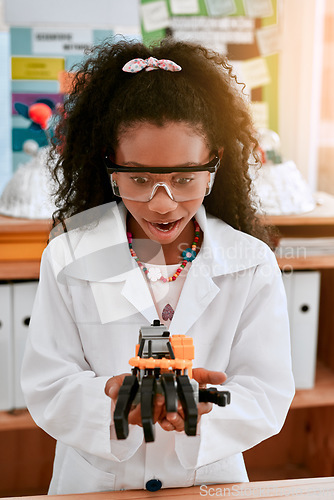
[
  {"x": 293, "y": 86},
  {"x": 5, "y": 124},
  {"x": 326, "y": 136},
  {"x": 25, "y": 23},
  {"x": 300, "y": 84}
]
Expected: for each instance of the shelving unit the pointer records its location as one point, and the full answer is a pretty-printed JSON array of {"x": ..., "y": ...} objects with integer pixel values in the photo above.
[
  {"x": 26, "y": 452},
  {"x": 321, "y": 395},
  {"x": 304, "y": 447},
  {"x": 16, "y": 420}
]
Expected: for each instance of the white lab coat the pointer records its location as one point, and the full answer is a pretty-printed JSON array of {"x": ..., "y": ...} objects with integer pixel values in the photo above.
[{"x": 91, "y": 300}]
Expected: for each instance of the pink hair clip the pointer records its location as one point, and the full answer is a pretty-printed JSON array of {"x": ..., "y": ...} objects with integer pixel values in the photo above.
[{"x": 136, "y": 65}]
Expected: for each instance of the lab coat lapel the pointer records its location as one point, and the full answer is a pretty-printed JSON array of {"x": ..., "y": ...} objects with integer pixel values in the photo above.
[
  {"x": 197, "y": 294},
  {"x": 122, "y": 292},
  {"x": 136, "y": 291},
  {"x": 101, "y": 257},
  {"x": 121, "y": 300},
  {"x": 199, "y": 288}
]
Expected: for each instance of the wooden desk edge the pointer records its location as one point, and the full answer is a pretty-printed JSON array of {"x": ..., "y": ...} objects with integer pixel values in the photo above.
[
  {"x": 253, "y": 490},
  {"x": 323, "y": 214},
  {"x": 18, "y": 225},
  {"x": 19, "y": 270}
]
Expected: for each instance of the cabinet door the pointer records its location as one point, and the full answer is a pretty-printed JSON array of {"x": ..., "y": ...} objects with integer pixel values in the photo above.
[
  {"x": 303, "y": 291},
  {"x": 6, "y": 348},
  {"x": 23, "y": 300}
]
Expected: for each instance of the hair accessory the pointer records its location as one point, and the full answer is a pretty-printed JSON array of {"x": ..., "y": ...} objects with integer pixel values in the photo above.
[
  {"x": 136, "y": 65},
  {"x": 154, "y": 273}
]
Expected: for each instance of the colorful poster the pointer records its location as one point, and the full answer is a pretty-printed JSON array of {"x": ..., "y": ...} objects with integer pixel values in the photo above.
[
  {"x": 61, "y": 40},
  {"x": 37, "y": 68},
  {"x": 30, "y": 98}
]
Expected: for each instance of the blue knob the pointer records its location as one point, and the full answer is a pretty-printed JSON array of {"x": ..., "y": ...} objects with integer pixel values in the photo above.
[{"x": 153, "y": 485}]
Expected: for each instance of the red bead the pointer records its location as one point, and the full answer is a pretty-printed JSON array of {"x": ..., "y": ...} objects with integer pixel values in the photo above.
[{"x": 173, "y": 278}]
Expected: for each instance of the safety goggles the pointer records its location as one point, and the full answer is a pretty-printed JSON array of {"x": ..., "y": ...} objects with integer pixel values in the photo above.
[{"x": 180, "y": 183}]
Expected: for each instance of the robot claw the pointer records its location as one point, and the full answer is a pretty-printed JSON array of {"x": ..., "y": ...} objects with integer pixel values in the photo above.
[{"x": 162, "y": 365}]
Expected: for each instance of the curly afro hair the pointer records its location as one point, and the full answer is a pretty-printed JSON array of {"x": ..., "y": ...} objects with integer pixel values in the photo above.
[{"x": 105, "y": 100}]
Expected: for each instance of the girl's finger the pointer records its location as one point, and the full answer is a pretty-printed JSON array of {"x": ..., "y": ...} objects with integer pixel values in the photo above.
[
  {"x": 166, "y": 425},
  {"x": 204, "y": 408},
  {"x": 113, "y": 385},
  {"x": 176, "y": 420},
  {"x": 135, "y": 416},
  {"x": 159, "y": 402},
  {"x": 204, "y": 376}
]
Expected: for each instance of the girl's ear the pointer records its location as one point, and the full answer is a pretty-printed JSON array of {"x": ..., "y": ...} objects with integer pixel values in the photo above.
[{"x": 220, "y": 153}]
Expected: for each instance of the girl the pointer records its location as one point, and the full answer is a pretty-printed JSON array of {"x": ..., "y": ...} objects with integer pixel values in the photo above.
[{"x": 154, "y": 199}]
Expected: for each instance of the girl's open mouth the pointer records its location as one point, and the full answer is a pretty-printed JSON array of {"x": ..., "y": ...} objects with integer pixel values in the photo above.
[
  {"x": 167, "y": 228},
  {"x": 164, "y": 226}
]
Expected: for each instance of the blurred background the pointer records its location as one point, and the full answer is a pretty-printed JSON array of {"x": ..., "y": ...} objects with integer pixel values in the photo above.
[{"x": 283, "y": 50}]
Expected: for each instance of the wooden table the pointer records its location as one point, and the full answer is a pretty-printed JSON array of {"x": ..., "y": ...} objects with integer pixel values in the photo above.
[{"x": 308, "y": 489}]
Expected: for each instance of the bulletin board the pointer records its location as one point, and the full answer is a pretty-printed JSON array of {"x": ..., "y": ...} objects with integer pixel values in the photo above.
[
  {"x": 41, "y": 59},
  {"x": 246, "y": 31}
]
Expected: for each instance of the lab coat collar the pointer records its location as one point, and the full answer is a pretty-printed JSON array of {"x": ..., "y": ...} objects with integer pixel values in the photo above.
[
  {"x": 225, "y": 250},
  {"x": 98, "y": 253},
  {"x": 101, "y": 255}
]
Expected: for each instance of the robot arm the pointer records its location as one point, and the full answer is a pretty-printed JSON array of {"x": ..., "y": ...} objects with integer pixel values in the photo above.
[{"x": 163, "y": 364}]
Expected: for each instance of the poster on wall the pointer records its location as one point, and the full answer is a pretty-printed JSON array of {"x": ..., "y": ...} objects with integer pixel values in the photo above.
[
  {"x": 46, "y": 42},
  {"x": 42, "y": 60},
  {"x": 246, "y": 31}
]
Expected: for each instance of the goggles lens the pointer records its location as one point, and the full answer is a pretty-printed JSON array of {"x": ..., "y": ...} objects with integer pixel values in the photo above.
[{"x": 183, "y": 184}]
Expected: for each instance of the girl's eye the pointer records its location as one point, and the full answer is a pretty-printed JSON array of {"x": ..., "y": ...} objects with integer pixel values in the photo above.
[
  {"x": 183, "y": 180},
  {"x": 140, "y": 180}
]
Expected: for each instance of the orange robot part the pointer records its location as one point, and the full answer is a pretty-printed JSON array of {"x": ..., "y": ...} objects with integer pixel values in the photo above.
[{"x": 184, "y": 353}]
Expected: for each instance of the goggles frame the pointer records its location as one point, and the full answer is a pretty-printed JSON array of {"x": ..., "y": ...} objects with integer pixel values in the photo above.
[{"x": 212, "y": 167}]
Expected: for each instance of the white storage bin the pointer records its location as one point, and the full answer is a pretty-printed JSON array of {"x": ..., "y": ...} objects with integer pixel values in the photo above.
[
  {"x": 23, "y": 300},
  {"x": 303, "y": 292},
  {"x": 6, "y": 348}
]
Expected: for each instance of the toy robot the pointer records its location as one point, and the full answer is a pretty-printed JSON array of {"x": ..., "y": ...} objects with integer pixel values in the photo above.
[{"x": 163, "y": 364}]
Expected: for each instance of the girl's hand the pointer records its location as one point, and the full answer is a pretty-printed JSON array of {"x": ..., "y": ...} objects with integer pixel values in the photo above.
[
  {"x": 112, "y": 388},
  {"x": 175, "y": 421},
  {"x": 168, "y": 421}
]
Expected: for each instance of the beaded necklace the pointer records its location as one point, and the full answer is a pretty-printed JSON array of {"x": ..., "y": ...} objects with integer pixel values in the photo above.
[{"x": 154, "y": 274}]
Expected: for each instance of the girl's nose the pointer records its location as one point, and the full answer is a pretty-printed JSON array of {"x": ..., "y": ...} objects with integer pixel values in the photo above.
[{"x": 161, "y": 202}]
